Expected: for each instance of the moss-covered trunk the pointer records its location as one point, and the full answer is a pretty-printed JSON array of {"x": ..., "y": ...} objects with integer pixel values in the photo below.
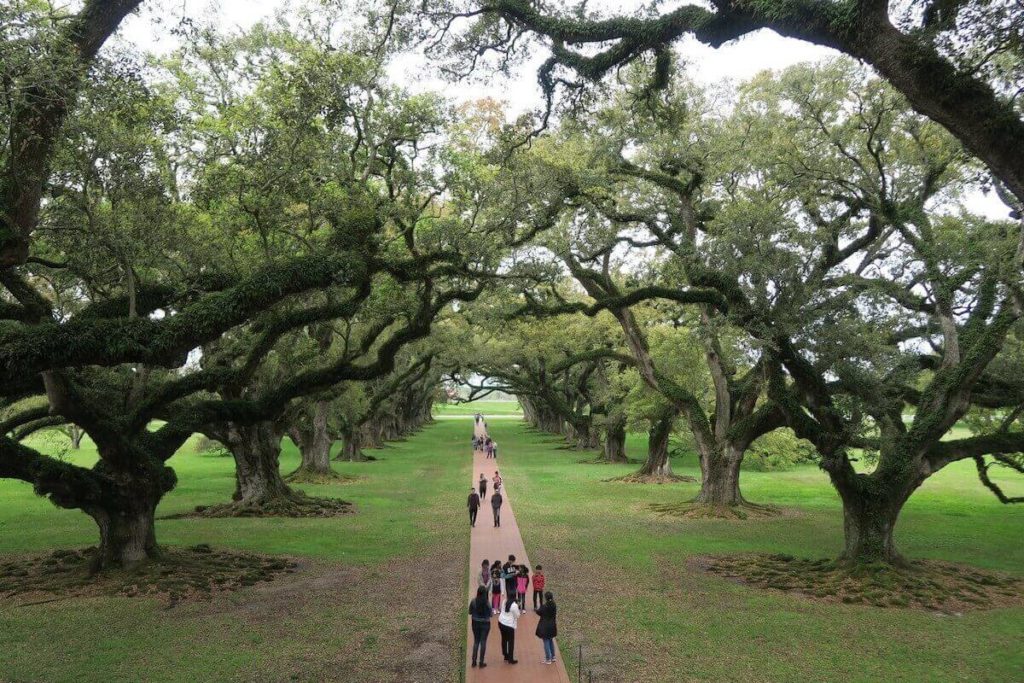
[
  {"x": 615, "y": 442},
  {"x": 257, "y": 451},
  {"x": 314, "y": 442},
  {"x": 658, "y": 463},
  {"x": 720, "y": 477}
]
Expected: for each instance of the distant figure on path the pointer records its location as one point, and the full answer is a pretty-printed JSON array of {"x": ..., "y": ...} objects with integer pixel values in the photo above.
[
  {"x": 547, "y": 627},
  {"x": 510, "y": 574},
  {"x": 507, "y": 622},
  {"x": 496, "y": 507},
  {"x": 474, "y": 505},
  {"x": 483, "y": 486},
  {"x": 494, "y": 450},
  {"x": 480, "y": 614},
  {"x": 538, "y": 587},
  {"x": 497, "y": 482}
]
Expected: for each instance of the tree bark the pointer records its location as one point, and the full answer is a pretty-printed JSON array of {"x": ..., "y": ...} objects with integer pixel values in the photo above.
[
  {"x": 658, "y": 463},
  {"x": 352, "y": 449},
  {"x": 720, "y": 477},
  {"x": 314, "y": 443},
  {"x": 615, "y": 442},
  {"x": 868, "y": 526},
  {"x": 127, "y": 536},
  {"x": 257, "y": 451},
  {"x": 75, "y": 434}
]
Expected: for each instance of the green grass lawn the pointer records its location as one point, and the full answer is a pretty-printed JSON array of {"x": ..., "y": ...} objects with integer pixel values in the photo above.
[
  {"x": 627, "y": 592},
  {"x": 487, "y": 408},
  {"x": 355, "y": 612},
  {"x": 388, "y": 583}
]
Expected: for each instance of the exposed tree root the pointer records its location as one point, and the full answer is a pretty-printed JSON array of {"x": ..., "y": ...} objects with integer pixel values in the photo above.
[
  {"x": 692, "y": 510},
  {"x": 296, "y": 504},
  {"x": 301, "y": 476},
  {"x": 919, "y": 584},
  {"x": 179, "y": 574},
  {"x": 636, "y": 478},
  {"x": 599, "y": 460}
]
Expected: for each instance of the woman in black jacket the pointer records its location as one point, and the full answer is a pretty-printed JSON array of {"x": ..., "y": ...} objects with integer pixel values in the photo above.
[
  {"x": 480, "y": 614},
  {"x": 547, "y": 627}
]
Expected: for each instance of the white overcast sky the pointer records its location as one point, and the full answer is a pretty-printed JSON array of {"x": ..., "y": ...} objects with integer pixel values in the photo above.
[{"x": 738, "y": 61}]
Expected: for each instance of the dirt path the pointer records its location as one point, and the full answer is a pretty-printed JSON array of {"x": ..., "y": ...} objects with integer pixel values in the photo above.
[{"x": 489, "y": 543}]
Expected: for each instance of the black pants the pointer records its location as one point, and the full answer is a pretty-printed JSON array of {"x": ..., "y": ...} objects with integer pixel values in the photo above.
[
  {"x": 481, "y": 629},
  {"x": 538, "y": 598},
  {"x": 508, "y": 642},
  {"x": 497, "y": 516},
  {"x": 483, "y": 492},
  {"x": 472, "y": 515}
]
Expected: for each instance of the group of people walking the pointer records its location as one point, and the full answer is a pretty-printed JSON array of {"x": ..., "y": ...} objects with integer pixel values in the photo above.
[
  {"x": 506, "y": 585},
  {"x": 479, "y": 494},
  {"x": 502, "y": 587}
]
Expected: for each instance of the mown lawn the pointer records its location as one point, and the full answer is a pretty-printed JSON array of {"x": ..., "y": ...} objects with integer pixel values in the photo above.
[
  {"x": 488, "y": 408},
  {"x": 355, "y": 612},
  {"x": 381, "y": 592},
  {"x": 627, "y": 592}
]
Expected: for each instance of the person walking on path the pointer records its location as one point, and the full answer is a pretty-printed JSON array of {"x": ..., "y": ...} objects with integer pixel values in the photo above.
[
  {"x": 507, "y": 622},
  {"x": 483, "y": 486},
  {"x": 474, "y": 505},
  {"x": 485, "y": 574},
  {"x": 522, "y": 583},
  {"x": 494, "y": 450},
  {"x": 496, "y": 586},
  {"x": 538, "y": 587},
  {"x": 497, "y": 482},
  {"x": 496, "y": 501},
  {"x": 547, "y": 627},
  {"x": 480, "y": 613}
]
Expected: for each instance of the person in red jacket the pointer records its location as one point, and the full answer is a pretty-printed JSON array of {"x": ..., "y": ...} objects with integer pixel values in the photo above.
[{"x": 538, "y": 587}]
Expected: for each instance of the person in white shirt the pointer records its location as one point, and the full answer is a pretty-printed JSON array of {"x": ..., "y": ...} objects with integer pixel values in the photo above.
[{"x": 507, "y": 622}]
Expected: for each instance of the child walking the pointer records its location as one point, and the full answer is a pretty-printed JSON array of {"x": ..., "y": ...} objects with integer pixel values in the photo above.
[
  {"x": 522, "y": 583},
  {"x": 496, "y": 586},
  {"x": 538, "y": 587}
]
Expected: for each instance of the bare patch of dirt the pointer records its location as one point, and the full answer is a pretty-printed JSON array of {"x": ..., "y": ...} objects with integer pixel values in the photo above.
[
  {"x": 692, "y": 510},
  {"x": 391, "y": 624},
  {"x": 654, "y": 479},
  {"x": 921, "y": 584},
  {"x": 180, "y": 574}
]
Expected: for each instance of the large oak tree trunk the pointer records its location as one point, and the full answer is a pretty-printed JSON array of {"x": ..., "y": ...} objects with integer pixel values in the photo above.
[
  {"x": 314, "y": 444},
  {"x": 615, "y": 442},
  {"x": 257, "y": 451},
  {"x": 720, "y": 478},
  {"x": 658, "y": 463},
  {"x": 352, "y": 449},
  {"x": 125, "y": 512},
  {"x": 870, "y": 510}
]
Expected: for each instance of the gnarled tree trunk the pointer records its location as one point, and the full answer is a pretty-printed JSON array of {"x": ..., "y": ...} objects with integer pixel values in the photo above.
[
  {"x": 615, "y": 442},
  {"x": 257, "y": 450},
  {"x": 352, "y": 448},
  {"x": 75, "y": 434},
  {"x": 720, "y": 477},
  {"x": 658, "y": 463},
  {"x": 314, "y": 442}
]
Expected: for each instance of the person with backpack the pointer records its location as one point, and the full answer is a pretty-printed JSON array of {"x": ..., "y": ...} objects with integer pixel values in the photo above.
[
  {"x": 547, "y": 627},
  {"x": 496, "y": 501},
  {"x": 474, "y": 505},
  {"x": 480, "y": 614},
  {"x": 507, "y": 622}
]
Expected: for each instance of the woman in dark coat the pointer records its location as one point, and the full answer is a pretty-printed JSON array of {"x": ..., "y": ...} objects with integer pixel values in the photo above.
[
  {"x": 480, "y": 614},
  {"x": 547, "y": 627}
]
